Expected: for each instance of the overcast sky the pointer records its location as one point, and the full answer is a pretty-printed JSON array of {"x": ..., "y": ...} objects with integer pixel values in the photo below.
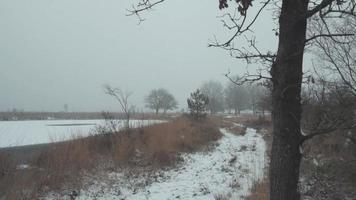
[{"x": 56, "y": 52}]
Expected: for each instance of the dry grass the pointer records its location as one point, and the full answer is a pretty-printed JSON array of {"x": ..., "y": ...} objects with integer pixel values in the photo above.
[
  {"x": 259, "y": 191},
  {"x": 252, "y": 121},
  {"x": 6, "y": 165},
  {"x": 259, "y": 122},
  {"x": 159, "y": 144},
  {"x": 64, "y": 162},
  {"x": 154, "y": 146},
  {"x": 239, "y": 130}
]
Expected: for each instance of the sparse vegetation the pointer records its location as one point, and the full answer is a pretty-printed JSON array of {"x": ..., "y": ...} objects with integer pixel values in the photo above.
[
  {"x": 160, "y": 99},
  {"x": 122, "y": 97},
  {"x": 6, "y": 165},
  {"x": 197, "y": 104},
  {"x": 305, "y": 119},
  {"x": 154, "y": 147},
  {"x": 259, "y": 191},
  {"x": 215, "y": 93}
]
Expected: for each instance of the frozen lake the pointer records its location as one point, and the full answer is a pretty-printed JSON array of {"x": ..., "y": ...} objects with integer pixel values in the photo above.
[{"x": 18, "y": 133}]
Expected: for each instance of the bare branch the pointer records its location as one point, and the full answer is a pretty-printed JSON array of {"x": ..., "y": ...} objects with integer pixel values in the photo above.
[
  {"x": 325, "y": 131},
  {"x": 142, "y": 6},
  {"x": 319, "y": 7},
  {"x": 328, "y": 35},
  {"x": 246, "y": 78},
  {"x": 240, "y": 28}
]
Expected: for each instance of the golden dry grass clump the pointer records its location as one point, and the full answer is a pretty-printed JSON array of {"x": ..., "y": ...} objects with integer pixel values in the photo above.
[
  {"x": 63, "y": 163},
  {"x": 259, "y": 191}
]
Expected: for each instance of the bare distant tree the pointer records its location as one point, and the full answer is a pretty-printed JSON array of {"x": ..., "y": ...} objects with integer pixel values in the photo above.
[
  {"x": 265, "y": 101},
  {"x": 161, "y": 99},
  {"x": 65, "y": 107},
  {"x": 265, "y": 98},
  {"x": 169, "y": 102},
  {"x": 123, "y": 99},
  {"x": 254, "y": 94},
  {"x": 215, "y": 92},
  {"x": 236, "y": 97}
]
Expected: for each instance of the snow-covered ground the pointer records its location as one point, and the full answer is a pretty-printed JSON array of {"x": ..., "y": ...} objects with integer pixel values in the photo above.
[
  {"x": 229, "y": 170},
  {"x": 18, "y": 133}
]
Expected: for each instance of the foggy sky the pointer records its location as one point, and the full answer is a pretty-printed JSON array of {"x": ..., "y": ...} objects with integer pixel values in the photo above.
[{"x": 56, "y": 52}]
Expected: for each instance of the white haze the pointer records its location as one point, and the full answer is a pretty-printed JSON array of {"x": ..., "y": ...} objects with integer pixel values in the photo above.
[{"x": 62, "y": 52}]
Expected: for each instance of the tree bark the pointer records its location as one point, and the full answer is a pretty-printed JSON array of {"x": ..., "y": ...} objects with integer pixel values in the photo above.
[{"x": 287, "y": 78}]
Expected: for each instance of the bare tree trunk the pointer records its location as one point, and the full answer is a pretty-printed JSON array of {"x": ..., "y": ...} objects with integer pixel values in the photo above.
[
  {"x": 127, "y": 122},
  {"x": 287, "y": 77}
]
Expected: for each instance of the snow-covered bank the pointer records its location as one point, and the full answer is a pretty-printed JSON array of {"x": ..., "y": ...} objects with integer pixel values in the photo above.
[
  {"x": 18, "y": 133},
  {"x": 229, "y": 170}
]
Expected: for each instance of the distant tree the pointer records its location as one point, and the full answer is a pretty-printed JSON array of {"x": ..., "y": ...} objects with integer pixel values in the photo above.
[
  {"x": 236, "y": 97},
  {"x": 254, "y": 93},
  {"x": 265, "y": 97},
  {"x": 215, "y": 92},
  {"x": 65, "y": 107},
  {"x": 161, "y": 99},
  {"x": 123, "y": 99},
  {"x": 264, "y": 102},
  {"x": 197, "y": 104},
  {"x": 169, "y": 102}
]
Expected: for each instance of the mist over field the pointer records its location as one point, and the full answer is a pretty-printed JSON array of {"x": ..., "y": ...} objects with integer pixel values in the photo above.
[
  {"x": 167, "y": 100},
  {"x": 62, "y": 52}
]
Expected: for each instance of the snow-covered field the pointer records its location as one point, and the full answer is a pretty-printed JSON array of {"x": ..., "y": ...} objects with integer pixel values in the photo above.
[
  {"x": 229, "y": 170},
  {"x": 18, "y": 133}
]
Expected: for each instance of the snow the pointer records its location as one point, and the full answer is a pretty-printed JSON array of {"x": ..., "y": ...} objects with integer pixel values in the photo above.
[
  {"x": 229, "y": 170},
  {"x": 302, "y": 132},
  {"x": 22, "y": 167},
  {"x": 301, "y": 149},
  {"x": 18, "y": 133},
  {"x": 315, "y": 162}
]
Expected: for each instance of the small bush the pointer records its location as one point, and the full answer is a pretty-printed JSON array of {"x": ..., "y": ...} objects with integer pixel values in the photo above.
[
  {"x": 6, "y": 165},
  {"x": 197, "y": 104}
]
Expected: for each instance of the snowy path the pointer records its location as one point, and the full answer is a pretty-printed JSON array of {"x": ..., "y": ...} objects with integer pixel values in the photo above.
[{"x": 229, "y": 170}]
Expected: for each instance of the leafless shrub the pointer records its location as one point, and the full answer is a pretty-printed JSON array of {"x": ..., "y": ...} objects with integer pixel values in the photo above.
[
  {"x": 111, "y": 124},
  {"x": 329, "y": 107},
  {"x": 6, "y": 165},
  {"x": 122, "y": 97}
]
